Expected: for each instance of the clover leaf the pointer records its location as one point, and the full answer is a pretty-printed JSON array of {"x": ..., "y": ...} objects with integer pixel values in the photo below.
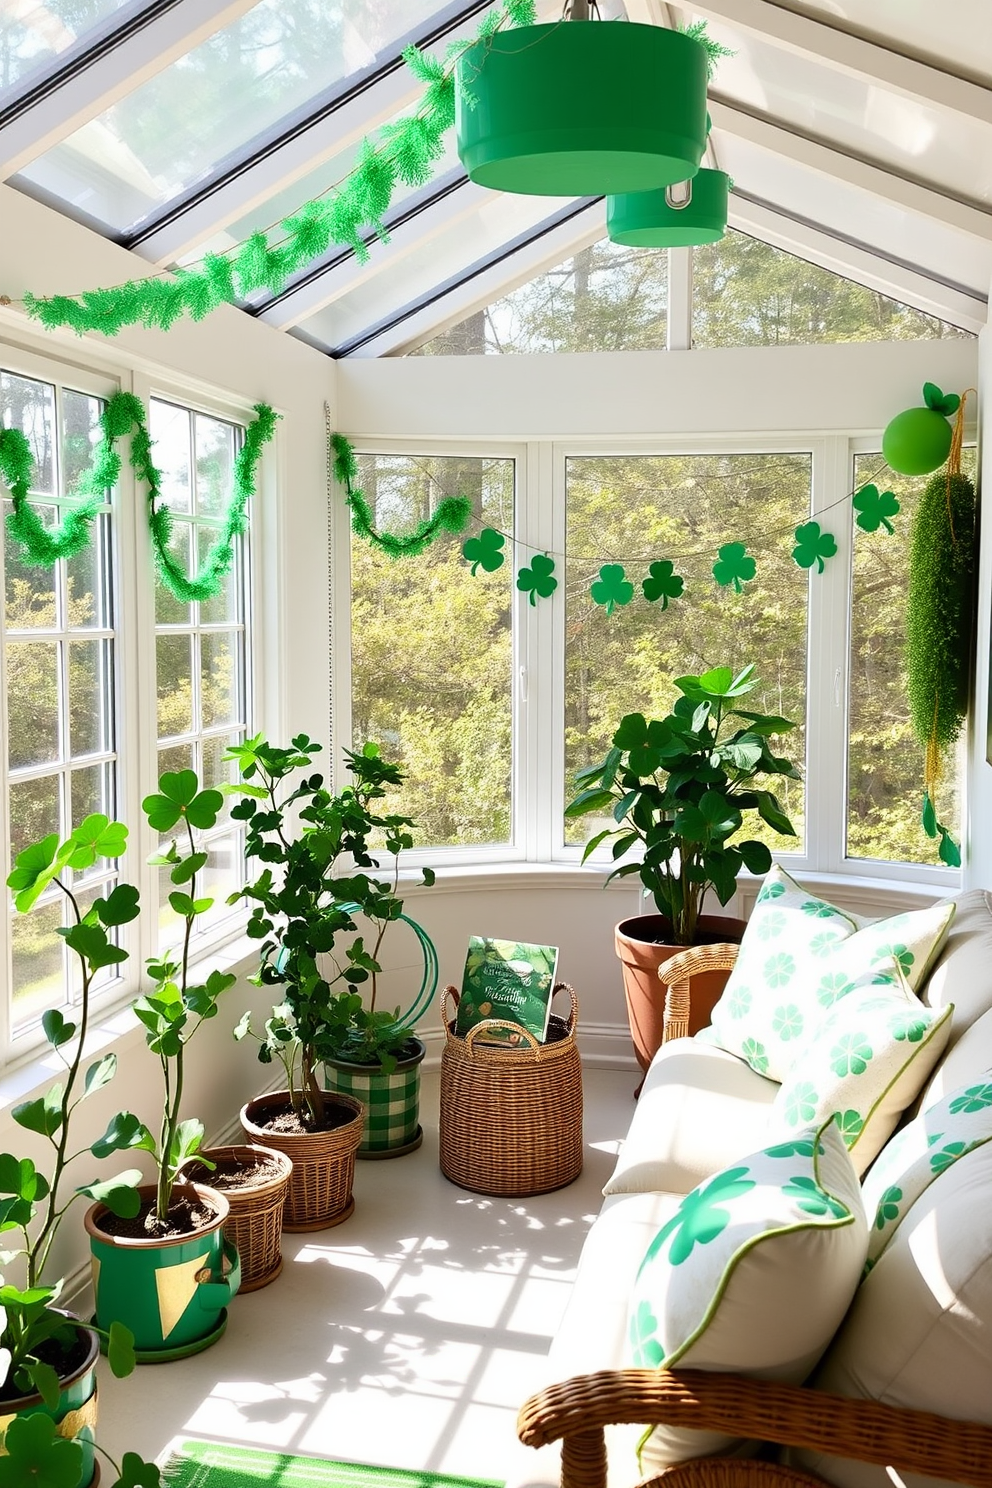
[
  {"x": 537, "y": 579},
  {"x": 940, "y": 402},
  {"x": 874, "y": 510},
  {"x": 612, "y": 588},
  {"x": 484, "y": 551},
  {"x": 733, "y": 566},
  {"x": 662, "y": 583},
  {"x": 35, "y": 1453},
  {"x": 700, "y": 1217},
  {"x": 178, "y": 798},
  {"x": 813, "y": 545},
  {"x": 137, "y": 1473}
]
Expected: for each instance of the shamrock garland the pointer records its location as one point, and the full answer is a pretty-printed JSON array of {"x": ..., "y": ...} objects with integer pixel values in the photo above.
[
  {"x": 125, "y": 414},
  {"x": 662, "y": 583},
  {"x": 734, "y": 566},
  {"x": 813, "y": 546},
  {"x": 874, "y": 510},
  {"x": 452, "y": 514},
  {"x": 406, "y": 151},
  {"x": 612, "y": 588},
  {"x": 537, "y": 580},
  {"x": 484, "y": 551}
]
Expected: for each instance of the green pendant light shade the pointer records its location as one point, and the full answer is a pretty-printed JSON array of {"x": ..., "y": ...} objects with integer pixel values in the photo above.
[
  {"x": 581, "y": 108},
  {"x": 681, "y": 216}
]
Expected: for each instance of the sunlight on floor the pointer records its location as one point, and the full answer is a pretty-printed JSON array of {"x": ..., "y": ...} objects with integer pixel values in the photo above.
[{"x": 407, "y": 1337}]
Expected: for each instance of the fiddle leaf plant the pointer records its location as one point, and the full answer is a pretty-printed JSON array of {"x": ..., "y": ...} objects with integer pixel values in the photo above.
[
  {"x": 679, "y": 787},
  {"x": 303, "y": 909}
]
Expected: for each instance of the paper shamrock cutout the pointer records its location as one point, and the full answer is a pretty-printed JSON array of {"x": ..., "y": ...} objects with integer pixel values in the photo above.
[
  {"x": 537, "y": 580},
  {"x": 734, "y": 566},
  {"x": 612, "y": 588},
  {"x": 948, "y": 852},
  {"x": 940, "y": 402},
  {"x": 662, "y": 583},
  {"x": 484, "y": 551},
  {"x": 874, "y": 510},
  {"x": 813, "y": 545}
]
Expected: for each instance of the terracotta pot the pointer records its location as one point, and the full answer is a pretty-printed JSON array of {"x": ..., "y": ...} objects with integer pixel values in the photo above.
[{"x": 642, "y": 944}]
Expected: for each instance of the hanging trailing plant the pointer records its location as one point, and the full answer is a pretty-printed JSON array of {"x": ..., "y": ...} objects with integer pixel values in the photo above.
[
  {"x": 939, "y": 623},
  {"x": 452, "y": 514},
  {"x": 124, "y": 414},
  {"x": 405, "y": 151}
]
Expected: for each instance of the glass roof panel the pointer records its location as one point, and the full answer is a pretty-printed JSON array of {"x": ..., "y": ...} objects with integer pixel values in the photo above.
[
  {"x": 33, "y": 34},
  {"x": 394, "y": 280},
  {"x": 178, "y": 127},
  {"x": 918, "y": 140},
  {"x": 918, "y": 27}
]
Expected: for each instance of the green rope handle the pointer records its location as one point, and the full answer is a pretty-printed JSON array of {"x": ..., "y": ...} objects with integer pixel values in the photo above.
[
  {"x": 452, "y": 515},
  {"x": 406, "y": 151},
  {"x": 125, "y": 414}
]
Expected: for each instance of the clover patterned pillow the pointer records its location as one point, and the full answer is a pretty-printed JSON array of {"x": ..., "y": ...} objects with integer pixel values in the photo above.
[
  {"x": 867, "y": 1060},
  {"x": 799, "y": 956},
  {"x": 919, "y": 1153},
  {"x": 725, "y": 1284}
]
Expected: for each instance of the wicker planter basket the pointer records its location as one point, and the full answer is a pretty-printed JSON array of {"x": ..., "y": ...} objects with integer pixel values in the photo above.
[
  {"x": 511, "y": 1119},
  {"x": 254, "y": 1222},
  {"x": 319, "y": 1192}
]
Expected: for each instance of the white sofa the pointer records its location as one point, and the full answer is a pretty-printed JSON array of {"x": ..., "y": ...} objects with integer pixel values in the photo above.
[{"x": 918, "y": 1333}]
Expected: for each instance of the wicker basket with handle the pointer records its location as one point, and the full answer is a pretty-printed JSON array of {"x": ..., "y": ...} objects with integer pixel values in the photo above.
[
  {"x": 511, "y": 1118},
  {"x": 254, "y": 1222}
]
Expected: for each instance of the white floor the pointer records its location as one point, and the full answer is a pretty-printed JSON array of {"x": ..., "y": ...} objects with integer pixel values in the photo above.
[{"x": 408, "y": 1336}]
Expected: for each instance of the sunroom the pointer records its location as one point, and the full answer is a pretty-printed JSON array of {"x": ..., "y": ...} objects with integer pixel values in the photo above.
[{"x": 454, "y": 472}]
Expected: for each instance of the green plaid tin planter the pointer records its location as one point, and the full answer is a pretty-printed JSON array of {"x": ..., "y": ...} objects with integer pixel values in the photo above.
[{"x": 392, "y": 1102}]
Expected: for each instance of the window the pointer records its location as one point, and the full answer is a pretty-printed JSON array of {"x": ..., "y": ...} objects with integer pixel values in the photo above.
[
  {"x": 748, "y": 293},
  {"x": 201, "y": 648},
  {"x": 432, "y": 648},
  {"x": 60, "y": 646},
  {"x": 605, "y": 298},
  {"x": 633, "y": 510}
]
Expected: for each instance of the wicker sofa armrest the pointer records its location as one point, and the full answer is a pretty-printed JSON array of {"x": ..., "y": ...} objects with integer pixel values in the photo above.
[
  {"x": 577, "y": 1410},
  {"x": 674, "y": 976}
]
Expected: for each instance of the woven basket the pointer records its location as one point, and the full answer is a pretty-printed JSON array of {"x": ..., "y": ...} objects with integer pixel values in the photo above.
[
  {"x": 319, "y": 1192},
  {"x": 511, "y": 1119},
  {"x": 254, "y": 1223}
]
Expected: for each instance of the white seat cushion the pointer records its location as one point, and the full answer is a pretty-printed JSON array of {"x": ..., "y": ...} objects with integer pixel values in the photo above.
[{"x": 699, "y": 1109}]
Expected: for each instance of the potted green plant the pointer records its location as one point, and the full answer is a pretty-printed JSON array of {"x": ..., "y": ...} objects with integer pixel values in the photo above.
[
  {"x": 48, "y": 1358},
  {"x": 679, "y": 789},
  {"x": 307, "y": 907},
  {"x": 168, "y": 1271}
]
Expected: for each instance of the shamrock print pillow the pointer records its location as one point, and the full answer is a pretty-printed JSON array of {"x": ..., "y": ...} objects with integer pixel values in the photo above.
[
  {"x": 919, "y": 1153},
  {"x": 867, "y": 1060},
  {"x": 753, "y": 1273},
  {"x": 799, "y": 956}
]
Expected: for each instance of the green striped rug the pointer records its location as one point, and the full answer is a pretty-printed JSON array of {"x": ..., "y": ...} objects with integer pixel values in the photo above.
[{"x": 199, "y": 1464}]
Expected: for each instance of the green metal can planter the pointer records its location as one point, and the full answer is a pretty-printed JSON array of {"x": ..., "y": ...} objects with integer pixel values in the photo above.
[
  {"x": 392, "y": 1101},
  {"x": 172, "y": 1293},
  {"x": 75, "y": 1413}
]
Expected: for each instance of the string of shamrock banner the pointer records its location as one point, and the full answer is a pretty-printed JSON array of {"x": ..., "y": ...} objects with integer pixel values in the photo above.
[
  {"x": 346, "y": 212},
  {"x": 124, "y": 414},
  {"x": 734, "y": 566}
]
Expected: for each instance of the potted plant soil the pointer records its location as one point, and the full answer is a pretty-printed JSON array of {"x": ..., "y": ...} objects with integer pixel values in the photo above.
[
  {"x": 254, "y": 1181},
  {"x": 48, "y": 1397},
  {"x": 168, "y": 1272},
  {"x": 679, "y": 788},
  {"x": 308, "y": 914}
]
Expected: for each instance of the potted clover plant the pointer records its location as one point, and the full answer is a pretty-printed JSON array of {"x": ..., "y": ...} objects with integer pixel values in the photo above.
[
  {"x": 309, "y": 903},
  {"x": 677, "y": 791}
]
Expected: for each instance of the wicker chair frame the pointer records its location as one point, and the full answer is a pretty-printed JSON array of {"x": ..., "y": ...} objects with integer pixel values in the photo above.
[
  {"x": 576, "y": 1411},
  {"x": 674, "y": 976}
]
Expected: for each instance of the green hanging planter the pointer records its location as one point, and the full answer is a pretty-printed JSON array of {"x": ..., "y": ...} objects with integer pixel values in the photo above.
[
  {"x": 581, "y": 108},
  {"x": 391, "y": 1101},
  {"x": 171, "y": 1293},
  {"x": 682, "y": 216},
  {"x": 76, "y": 1412}
]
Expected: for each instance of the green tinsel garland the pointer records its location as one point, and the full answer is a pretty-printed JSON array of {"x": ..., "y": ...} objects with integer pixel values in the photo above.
[
  {"x": 452, "y": 515},
  {"x": 124, "y": 413},
  {"x": 405, "y": 151}
]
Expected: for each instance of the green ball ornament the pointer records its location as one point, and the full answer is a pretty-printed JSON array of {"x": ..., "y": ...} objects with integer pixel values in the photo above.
[{"x": 917, "y": 442}]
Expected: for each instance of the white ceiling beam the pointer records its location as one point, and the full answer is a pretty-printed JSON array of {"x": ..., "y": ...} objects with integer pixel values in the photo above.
[
  {"x": 84, "y": 94},
  {"x": 868, "y": 60},
  {"x": 840, "y": 165},
  {"x": 324, "y": 289},
  {"x": 957, "y": 304},
  {"x": 491, "y": 283}
]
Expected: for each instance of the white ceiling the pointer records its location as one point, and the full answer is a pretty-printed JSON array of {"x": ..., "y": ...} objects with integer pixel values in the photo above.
[{"x": 858, "y": 134}]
